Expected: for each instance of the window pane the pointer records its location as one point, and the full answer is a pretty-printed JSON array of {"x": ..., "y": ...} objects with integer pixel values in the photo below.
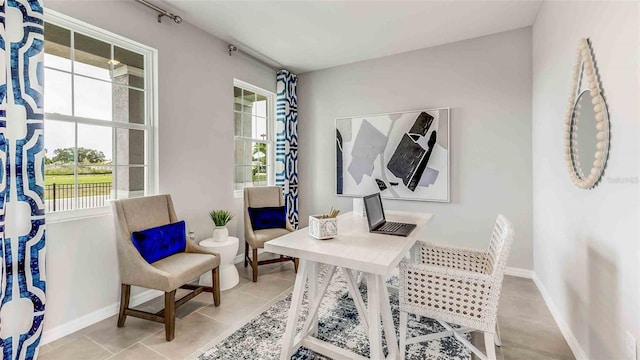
[
  {"x": 128, "y": 67},
  {"x": 92, "y": 98},
  {"x": 130, "y": 181},
  {"x": 128, "y": 105},
  {"x": 248, "y": 98},
  {"x": 243, "y": 152},
  {"x": 240, "y": 177},
  {"x": 95, "y": 145},
  {"x": 237, "y": 99},
  {"x": 259, "y": 128},
  {"x": 57, "y": 86},
  {"x": 95, "y": 186},
  {"x": 92, "y": 57},
  {"x": 237, "y": 124},
  {"x": 57, "y": 48},
  {"x": 259, "y": 163},
  {"x": 130, "y": 149},
  {"x": 59, "y": 188},
  {"x": 260, "y": 106},
  {"x": 259, "y": 175},
  {"x": 59, "y": 144}
]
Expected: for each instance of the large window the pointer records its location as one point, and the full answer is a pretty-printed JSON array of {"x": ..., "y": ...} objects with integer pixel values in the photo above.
[
  {"x": 99, "y": 120},
  {"x": 253, "y": 116}
]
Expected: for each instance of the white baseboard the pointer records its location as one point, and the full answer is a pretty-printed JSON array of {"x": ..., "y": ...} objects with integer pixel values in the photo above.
[
  {"x": 94, "y": 317},
  {"x": 519, "y": 272},
  {"x": 577, "y": 350}
]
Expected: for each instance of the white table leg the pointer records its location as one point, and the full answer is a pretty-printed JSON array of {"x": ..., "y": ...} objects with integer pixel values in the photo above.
[
  {"x": 354, "y": 291},
  {"x": 312, "y": 282},
  {"x": 375, "y": 336},
  {"x": 294, "y": 311},
  {"x": 387, "y": 321},
  {"x": 314, "y": 304}
]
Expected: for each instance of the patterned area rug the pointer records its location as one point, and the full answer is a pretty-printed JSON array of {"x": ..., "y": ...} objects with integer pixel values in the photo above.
[{"x": 339, "y": 324}]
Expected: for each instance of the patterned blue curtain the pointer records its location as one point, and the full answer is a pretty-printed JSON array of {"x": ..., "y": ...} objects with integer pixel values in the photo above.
[
  {"x": 287, "y": 141},
  {"x": 22, "y": 227}
]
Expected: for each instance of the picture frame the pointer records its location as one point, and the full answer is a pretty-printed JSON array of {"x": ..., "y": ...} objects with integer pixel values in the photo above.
[{"x": 403, "y": 155}]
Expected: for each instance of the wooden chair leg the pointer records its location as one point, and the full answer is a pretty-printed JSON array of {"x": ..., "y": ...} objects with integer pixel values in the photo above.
[
  {"x": 170, "y": 314},
  {"x": 125, "y": 292},
  {"x": 215, "y": 274},
  {"x": 296, "y": 262},
  {"x": 255, "y": 265},
  {"x": 246, "y": 253}
]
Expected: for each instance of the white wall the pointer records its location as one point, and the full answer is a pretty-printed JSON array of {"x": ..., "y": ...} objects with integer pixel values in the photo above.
[
  {"x": 586, "y": 243},
  {"x": 487, "y": 83},
  {"x": 195, "y": 75}
]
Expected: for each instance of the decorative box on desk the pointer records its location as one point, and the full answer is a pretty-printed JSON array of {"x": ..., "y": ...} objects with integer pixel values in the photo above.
[{"x": 323, "y": 227}]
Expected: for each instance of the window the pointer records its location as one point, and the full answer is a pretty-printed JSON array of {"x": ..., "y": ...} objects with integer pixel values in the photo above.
[
  {"x": 253, "y": 117},
  {"x": 99, "y": 118}
]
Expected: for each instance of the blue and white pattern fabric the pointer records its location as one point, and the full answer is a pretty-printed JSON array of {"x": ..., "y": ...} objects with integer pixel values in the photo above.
[
  {"x": 287, "y": 141},
  {"x": 22, "y": 225}
]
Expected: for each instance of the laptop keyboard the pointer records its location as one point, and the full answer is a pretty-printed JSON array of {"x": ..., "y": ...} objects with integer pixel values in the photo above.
[{"x": 390, "y": 226}]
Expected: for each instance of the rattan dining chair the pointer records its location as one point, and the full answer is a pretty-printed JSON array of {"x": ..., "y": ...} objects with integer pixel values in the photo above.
[{"x": 457, "y": 286}]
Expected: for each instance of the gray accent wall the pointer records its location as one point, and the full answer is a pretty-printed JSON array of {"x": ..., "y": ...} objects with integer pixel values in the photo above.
[
  {"x": 587, "y": 242},
  {"x": 486, "y": 82}
]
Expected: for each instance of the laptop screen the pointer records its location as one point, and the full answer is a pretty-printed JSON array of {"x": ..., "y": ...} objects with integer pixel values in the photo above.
[{"x": 373, "y": 207}]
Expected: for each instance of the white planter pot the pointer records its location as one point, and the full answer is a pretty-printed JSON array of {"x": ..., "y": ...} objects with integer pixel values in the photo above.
[
  {"x": 220, "y": 234},
  {"x": 321, "y": 228}
]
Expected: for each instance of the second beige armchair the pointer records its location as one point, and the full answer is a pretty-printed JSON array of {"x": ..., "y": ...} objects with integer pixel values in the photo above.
[{"x": 262, "y": 197}]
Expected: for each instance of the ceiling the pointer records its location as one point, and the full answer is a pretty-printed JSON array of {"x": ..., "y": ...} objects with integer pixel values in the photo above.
[{"x": 311, "y": 35}]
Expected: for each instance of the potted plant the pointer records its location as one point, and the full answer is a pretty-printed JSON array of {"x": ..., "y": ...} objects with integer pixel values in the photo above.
[
  {"x": 324, "y": 226},
  {"x": 220, "y": 219}
]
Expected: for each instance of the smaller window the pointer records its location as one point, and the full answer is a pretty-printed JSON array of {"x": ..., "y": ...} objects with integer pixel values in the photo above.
[{"x": 253, "y": 111}]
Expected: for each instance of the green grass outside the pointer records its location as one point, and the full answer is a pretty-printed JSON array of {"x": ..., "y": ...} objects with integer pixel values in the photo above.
[{"x": 82, "y": 179}]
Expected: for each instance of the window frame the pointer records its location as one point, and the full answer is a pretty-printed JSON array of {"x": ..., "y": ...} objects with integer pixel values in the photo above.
[
  {"x": 271, "y": 141},
  {"x": 151, "y": 109}
]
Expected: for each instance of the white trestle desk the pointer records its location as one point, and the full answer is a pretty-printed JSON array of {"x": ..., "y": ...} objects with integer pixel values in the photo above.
[{"x": 353, "y": 250}]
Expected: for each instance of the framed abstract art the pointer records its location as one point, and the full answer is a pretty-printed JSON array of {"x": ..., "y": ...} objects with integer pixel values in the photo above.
[{"x": 402, "y": 155}]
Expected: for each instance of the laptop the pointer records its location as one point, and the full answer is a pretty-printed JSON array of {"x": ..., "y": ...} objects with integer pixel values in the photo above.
[{"x": 377, "y": 222}]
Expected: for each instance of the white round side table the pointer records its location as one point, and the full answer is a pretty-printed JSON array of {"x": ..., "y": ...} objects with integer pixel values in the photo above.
[{"x": 228, "y": 272}]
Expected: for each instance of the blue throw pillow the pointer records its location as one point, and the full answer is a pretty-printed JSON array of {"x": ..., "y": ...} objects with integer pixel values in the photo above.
[
  {"x": 160, "y": 242},
  {"x": 268, "y": 217}
]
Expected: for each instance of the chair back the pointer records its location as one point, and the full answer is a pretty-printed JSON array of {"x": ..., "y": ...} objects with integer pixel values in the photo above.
[
  {"x": 263, "y": 196},
  {"x": 145, "y": 212},
  {"x": 256, "y": 197},
  {"x": 499, "y": 246}
]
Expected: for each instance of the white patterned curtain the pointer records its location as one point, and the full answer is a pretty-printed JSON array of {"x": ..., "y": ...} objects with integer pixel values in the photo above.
[
  {"x": 22, "y": 226},
  {"x": 287, "y": 141}
]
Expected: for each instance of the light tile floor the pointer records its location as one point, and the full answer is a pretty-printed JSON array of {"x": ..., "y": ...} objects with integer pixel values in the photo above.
[{"x": 528, "y": 330}]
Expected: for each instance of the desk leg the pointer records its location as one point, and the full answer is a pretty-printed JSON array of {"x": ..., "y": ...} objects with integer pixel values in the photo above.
[
  {"x": 312, "y": 282},
  {"x": 375, "y": 336},
  {"x": 354, "y": 291},
  {"x": 387, "y": 321},
  {"x": 294, "y": 311}
]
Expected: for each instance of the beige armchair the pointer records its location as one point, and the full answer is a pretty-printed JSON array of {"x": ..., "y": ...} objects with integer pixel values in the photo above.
[
  {"x": 167, "y": 274},
  {"x": 256, "y": 197}
]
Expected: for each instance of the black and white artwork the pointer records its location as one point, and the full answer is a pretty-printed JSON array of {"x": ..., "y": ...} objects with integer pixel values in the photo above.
[{"x": 401, "y": 155}]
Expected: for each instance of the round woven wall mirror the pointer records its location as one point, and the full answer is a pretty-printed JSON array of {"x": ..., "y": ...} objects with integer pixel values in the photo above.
[{"x": 587, "y": 122}]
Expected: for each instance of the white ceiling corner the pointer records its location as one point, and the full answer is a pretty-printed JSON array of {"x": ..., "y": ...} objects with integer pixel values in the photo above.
[{"x": 312, "y": 35}]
